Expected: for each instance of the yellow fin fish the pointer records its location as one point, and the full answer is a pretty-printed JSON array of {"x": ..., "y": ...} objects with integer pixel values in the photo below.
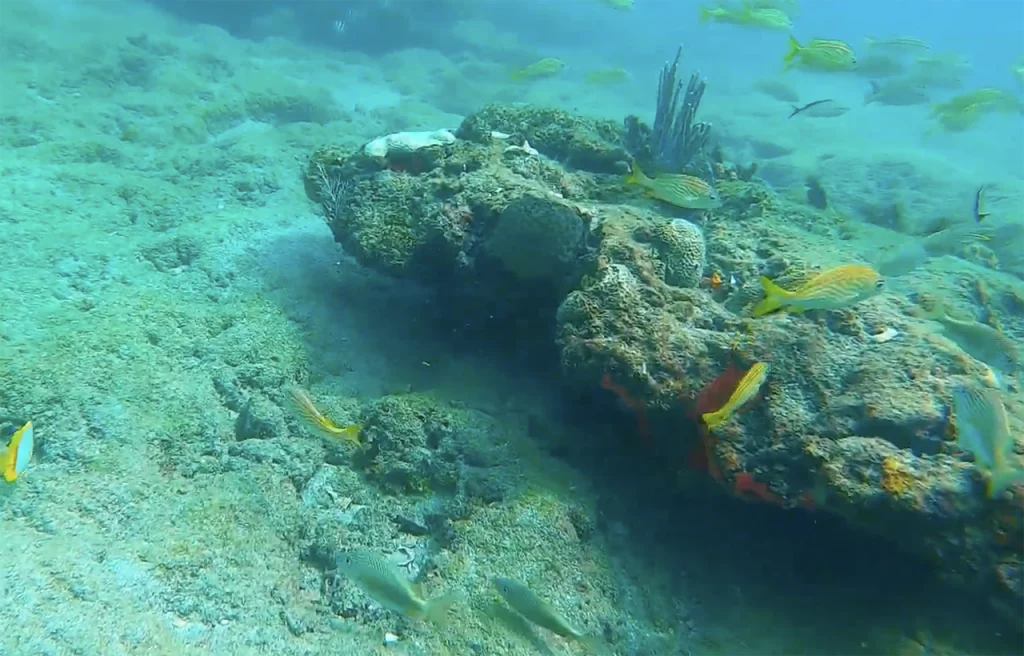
[
  {"x": 746, "y": 389},
  {"x": 836, "y": 288},
  {"x": 304, "y": 408},
  {"x": 383, "y": 582},
  {"x": 820, "y": 54},
  {"x": 681, "y": 190},
  {"x": 15, "y": 456},
  {"x": 547, "y": 67},
  {"x": 983, "y": 430}
]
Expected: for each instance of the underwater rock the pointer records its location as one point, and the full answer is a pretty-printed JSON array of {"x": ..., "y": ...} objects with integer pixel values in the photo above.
[
  {"x": 536, "y": 237},
  {"x": 587, "y": 144},
  {"x": 680, "y": 246},
  {"x": 407, "y": 142}
]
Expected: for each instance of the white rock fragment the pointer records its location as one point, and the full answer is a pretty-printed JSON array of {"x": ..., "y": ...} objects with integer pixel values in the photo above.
[
  {"x": 390, "y": 639},
  {"x": 886, "y": 335},
  {"x": 407, "y": 142}
]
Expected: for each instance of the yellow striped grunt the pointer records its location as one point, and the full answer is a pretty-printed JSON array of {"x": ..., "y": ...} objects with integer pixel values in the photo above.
[
  {"x": 983, "y": 429},
  {"x": 836, "y": 288},
  {"x": 820, "y": 54},
  {"x": 899, "y": 43},
  {"x": 681, "y": 190},
  {"x": 746, "y": 15},
  {"x": 980, "y": 341},
  {"x": 546, "y": 67},
  {"x": 303, "y": 406},
  {"x": 382, "y": 581},
  {"x": 15, "y": 456},
  {"x": 746, "y": 389}
]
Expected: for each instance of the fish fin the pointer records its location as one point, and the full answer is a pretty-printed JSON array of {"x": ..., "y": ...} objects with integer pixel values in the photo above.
[
  {"x": 436, "y": 609},
  {"x": 794, "y": 48},
  {"x": 636, "y": 174},
  {"x": 773, "y": 297},
  {"x": 315, "y": 420},
  {"x": 713, "y": 419},
  {"x": 7, "y": 464},
  {"x": 1002, "y": 480},
  {"x": 796, "y": 110}
]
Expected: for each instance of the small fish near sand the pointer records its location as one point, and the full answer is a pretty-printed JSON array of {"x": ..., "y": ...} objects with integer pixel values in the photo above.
[
  {"x": 834, "y": 289},
  {"x": 979, "y": 205},
  {"x": 681, "y": 190},
  {"x": 17, "y": 452},
  {"x": 827, "y": 55},
  {"x": 539, "y": 612},
  {"x": 827, "y": 108},
  {"x": 899, "y": 93},
  {"x": 385, "y": 583},
  {"x": 980, "y": 341},
  {"x": 304, "y": 408},
  {"x": 748, "y": 387},
  {"x": 547, "y": 67},
  {"x": 983, "y": 430}
]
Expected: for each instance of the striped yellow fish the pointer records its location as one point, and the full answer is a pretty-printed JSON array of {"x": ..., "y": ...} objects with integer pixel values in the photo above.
[
  {"x": 983, "y": 430},
  {"x": 899, "y": 43},
  {"x": 746, "y": 389},
  {"x": 819, "y": 54},
  {"x": 315, "y": 420},
  {"x": 547, "y": 67},
  {"x": 836, "y": 288},
  {"x": 681, "y": 190},
  {"x": 15, "y": 456}
]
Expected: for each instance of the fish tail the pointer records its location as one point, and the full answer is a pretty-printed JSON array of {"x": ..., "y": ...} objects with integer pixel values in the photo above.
[
  {"x": 636, "y": 174},
  {"x": 705, "y": 13},
  {"x": 7, "y": 464},
  {"x": 436, "y": 611},
  {"x": 794, "y": 48},
  {"x": 796, "y": 110},
  {"x": 307, "y": 411},
  {"x": 774, "y": 297},
  {"x": 713, "y": 419},
  {"x": 1002, "y": 479},
  {"x": 869, "y": 97}
]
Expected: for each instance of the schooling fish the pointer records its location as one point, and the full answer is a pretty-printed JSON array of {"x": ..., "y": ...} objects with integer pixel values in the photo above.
[
  {"x": 982, "y": 429},
  {"x": 15, "y": 456},
  {"x": 525, "y": 602},
  {"x": 382, "y": 581},
  {"x": 681, "y": 190},
  {"x": 303, "y": 406},
  {"x": 820, "y": 54},
  {"x": 546, "y": 67},
  {"x": 820, "y": 109},
  {"x": 746, "y": 389},
  {"x": 980, "y": 341},
  {"x": 836, "y": 288}
]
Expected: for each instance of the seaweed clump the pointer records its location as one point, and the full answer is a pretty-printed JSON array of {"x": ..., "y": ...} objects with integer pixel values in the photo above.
[{"x": 676, "y": 141}]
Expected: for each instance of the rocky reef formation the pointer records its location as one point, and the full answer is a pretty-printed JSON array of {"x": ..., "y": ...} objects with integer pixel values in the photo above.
[{"x": 526, "y": 210}]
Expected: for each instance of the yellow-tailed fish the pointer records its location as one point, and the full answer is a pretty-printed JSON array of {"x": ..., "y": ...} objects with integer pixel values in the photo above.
[
  {"x": 746, "y": 389},
  {"x": 820, "y": 54},
  {"x": 315, "y": 420},
  {"x": 748, "y": 16},
  {"x": 15, "y": 456},
  {"x": 547, "y": 67},
  {"x": 980, "y": 341},
  {"x": 836, "y": 288},
  {"x": 608, "y": 76},
  {"x": 983, "y": 429},
  {"x": 680, "y": 189},
  {"x": 525, "y": 602},
  {"x": 383, "y": 582}
]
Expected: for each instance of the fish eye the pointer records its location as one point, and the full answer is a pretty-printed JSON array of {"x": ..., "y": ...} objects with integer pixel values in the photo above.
[{"x": 880, "y": 283}]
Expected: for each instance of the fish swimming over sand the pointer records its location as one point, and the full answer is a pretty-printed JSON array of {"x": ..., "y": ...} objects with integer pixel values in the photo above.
[
  {"x": 304, "y": 408},
  {"x": 899, "y": 93},
  {"x": 820, "y": 109},
  {"x": 982, "y": 429},
  {"x": 836, "y": 288},
  {"x": 547, "y": 67},
  {"x": 681, "y": 190},
  {"x": 826, "y": 55},
  {"x": 746, "y": 389},
  {"x": 980, "y": 341},
  {"x": 17, "y": 453},
  {"x": 383, "y": 582},
  {"x": 979, "y": 205},
  {"x": 525, "y": 602}
]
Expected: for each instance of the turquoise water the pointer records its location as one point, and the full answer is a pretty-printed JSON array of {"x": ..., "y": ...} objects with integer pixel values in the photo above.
[{"x": 526, "y": 377}]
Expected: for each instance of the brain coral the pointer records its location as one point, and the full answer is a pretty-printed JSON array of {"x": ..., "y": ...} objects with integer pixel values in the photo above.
[
  {"x": 537, "y": 238},
  {"x": 680, "y": 245}
]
